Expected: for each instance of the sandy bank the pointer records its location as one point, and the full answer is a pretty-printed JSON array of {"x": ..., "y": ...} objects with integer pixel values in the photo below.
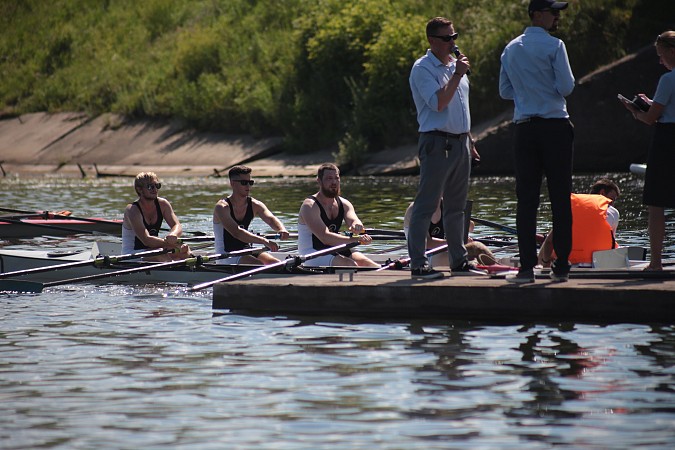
[{"x": 72, "y": 144}]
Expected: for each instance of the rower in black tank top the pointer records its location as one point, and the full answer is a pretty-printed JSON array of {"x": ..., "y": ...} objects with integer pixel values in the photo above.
[
  {"x": 230, "y": 242},
  {"x": 332, "y": 224},
  {"x": 153, "y": 228}
]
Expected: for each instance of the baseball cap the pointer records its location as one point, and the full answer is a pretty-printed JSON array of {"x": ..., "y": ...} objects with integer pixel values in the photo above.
[{"x": 538, "y": 5}]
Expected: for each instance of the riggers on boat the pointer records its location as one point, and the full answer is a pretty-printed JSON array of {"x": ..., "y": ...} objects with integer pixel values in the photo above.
[{"x": 85, "y": 263}]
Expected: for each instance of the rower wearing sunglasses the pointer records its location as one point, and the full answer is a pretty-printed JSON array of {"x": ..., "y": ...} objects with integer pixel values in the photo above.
[
  {"x": 233, "y": 215},
  {"x": 143, "y": 220}
]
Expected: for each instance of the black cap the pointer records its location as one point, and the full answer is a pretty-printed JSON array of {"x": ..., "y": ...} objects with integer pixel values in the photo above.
[{"x": 538, "y": 5}]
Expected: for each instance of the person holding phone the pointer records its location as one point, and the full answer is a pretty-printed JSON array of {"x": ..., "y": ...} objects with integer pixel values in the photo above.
[{"x": 658, "y": 193}]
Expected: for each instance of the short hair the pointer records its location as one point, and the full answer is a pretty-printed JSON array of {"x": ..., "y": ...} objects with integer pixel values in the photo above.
[
  {"x": 143, "y": 176},
  {"x": 436, "y": 24},
  {"x": 667, "y": 39},
  {"x": 606, "y": 184},
  {"x": 327, "y": 166},
  {"x": 239, "y": 170}
]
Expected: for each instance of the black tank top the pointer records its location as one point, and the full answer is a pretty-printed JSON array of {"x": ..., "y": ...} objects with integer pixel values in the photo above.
[
  {"x": 153, "y": 228},
  {"x": 333, "y": 225},
  {"x": 230, "y": 242}
]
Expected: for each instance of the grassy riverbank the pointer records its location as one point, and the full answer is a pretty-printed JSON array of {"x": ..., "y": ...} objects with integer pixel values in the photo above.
[{"x": 318, "y": 72}]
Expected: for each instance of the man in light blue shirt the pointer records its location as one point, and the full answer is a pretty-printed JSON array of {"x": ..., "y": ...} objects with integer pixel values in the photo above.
[
  {"x": 536, "y": 75},
  {"x": 440, "y": 90}
]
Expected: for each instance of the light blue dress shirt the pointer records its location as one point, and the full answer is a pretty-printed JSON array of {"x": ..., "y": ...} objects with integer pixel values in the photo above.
[
  {"x": 665, "y": 95},
  {"x": 427, "y": 77},
  {"x": 536, "y": 75}
]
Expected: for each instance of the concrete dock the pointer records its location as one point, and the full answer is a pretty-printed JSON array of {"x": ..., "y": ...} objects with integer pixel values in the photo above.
[{"x": 619, "y": 296}]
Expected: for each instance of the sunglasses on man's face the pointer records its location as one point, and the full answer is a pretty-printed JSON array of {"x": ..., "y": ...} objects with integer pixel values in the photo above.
[
  {"x": 150, "y": 186},
  {"x": 446, "y": 37},
  {"x": 245, "y": 182}
]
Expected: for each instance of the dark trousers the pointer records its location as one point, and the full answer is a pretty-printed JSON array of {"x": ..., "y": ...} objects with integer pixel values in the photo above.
[{"x": 544, "y": 147}]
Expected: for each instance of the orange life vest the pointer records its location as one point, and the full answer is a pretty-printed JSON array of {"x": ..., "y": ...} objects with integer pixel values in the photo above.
[{"x": 590, "y": 230}]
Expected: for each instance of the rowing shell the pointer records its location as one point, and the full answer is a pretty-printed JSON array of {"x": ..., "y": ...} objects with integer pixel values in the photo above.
[
  {"x": 30, "y": 228},
  {"x": 16, "y": 260}
]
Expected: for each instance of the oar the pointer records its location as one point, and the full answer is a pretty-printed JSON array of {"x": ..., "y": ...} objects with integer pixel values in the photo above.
[
  {"x": 377, "y": 231},
  {"x": 403, "y": 262},
  {"x": 498, "y": 226},
  {"x": 150, "y": 267},
  {"x": 290, "y": 263},
  {"x": 100, "y": 261}
]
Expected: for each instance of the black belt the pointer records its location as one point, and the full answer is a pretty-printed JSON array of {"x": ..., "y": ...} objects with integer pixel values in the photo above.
[
  {"x": 538, "y": 119},
  {"x": 444, "y": 134}
]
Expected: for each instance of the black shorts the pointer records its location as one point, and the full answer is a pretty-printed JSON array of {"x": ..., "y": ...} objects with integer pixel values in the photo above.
[{"x": 658, "y": 189}]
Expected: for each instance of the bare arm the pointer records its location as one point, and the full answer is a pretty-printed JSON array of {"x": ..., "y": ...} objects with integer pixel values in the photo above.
[
  {"x": 650, "y": 116},
  {"x": 351, "y": 219},
  {"x": 222, "y": 213},
  {"x": 260, "y": 210},
  {"x": 310, "y": 214},
  {"x": 134, "y": 221},
  {"x": 447, "y": 92}
]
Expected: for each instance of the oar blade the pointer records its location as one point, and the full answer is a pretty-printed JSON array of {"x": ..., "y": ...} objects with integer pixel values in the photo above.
[{"x": 20, "y": 286}]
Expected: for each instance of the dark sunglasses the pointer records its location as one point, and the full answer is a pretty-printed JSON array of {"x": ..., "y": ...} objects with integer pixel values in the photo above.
[
  {"x": 245, "y": 182},
  {"x": 157, "y": 186},
  {"x": 447, "y": 37}
]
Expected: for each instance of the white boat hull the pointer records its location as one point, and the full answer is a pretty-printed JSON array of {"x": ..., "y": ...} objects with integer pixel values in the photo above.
[{"x": 17, "y": 260}]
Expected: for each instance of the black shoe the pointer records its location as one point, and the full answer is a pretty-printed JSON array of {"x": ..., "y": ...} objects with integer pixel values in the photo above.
[
  {"x": 522, "y": 277},
  {"x": 425, "y": 272},
  {"x": 560, "y": 272},
  {"x": 465, "y": 266}
]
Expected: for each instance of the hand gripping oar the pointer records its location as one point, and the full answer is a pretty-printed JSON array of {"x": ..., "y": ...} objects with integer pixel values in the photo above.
[
  {"x": 540, "y": 237},
  {"x": 100, "y": 261},
  {"x": 289, "y": 263},
  {"x": 403, "y": 262}
]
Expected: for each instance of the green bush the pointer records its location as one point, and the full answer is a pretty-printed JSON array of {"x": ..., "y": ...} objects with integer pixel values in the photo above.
[{"x": 322, "y": 73}]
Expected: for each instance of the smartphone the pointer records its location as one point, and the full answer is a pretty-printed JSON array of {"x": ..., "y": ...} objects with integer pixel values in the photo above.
[{"x": 637, "y": 102}]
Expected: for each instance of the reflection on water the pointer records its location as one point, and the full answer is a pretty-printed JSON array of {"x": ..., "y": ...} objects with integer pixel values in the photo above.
[{"x": 151, "y": 367}]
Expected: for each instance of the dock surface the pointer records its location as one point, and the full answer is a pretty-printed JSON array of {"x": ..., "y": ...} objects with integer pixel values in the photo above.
[{"x": 619, "y": 296}]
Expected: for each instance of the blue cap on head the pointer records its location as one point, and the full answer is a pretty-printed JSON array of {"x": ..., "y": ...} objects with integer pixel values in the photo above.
[{"x": 538, "y": 5}]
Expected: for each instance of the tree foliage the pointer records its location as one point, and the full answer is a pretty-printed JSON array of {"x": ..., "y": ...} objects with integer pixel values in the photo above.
[{"x": 322, "y": 73}]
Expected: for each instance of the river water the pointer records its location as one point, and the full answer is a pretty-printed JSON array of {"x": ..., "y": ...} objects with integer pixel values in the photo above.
[{"x": 127, "y": 366}]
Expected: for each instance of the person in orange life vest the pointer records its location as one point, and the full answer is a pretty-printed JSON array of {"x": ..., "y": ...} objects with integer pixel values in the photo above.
[
  {"x": 594, "y": 224},
  {"x": 436, "y": 237}
]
